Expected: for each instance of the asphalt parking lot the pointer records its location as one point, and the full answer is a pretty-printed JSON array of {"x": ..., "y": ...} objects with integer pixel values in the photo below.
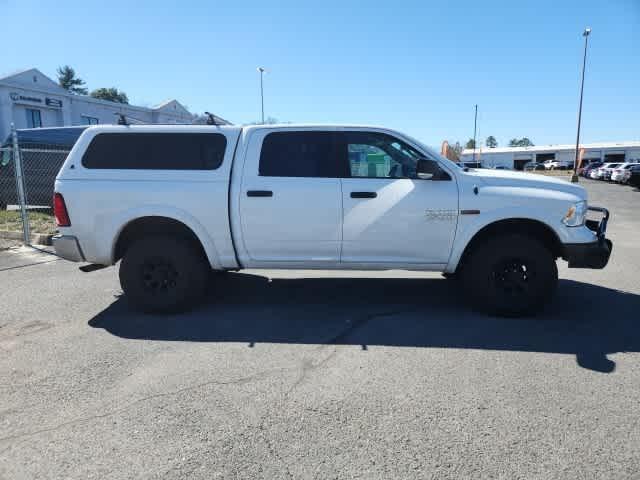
[{"x": 322, "y": 375}]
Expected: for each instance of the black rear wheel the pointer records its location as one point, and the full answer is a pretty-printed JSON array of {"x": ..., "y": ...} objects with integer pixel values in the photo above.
[
  {"x": 511, "y": 275},
  {"x": 163, "y": 274}
]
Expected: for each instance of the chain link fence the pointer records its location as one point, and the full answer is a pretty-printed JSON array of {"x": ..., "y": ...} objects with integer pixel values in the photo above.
[
  {"x": 11, "y": 226},
  {"x": 27, "y": 177}
]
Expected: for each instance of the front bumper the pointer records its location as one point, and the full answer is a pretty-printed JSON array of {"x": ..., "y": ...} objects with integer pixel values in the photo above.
[
  {"x": 67, "y": 247},
  {"x": 593, "y": 254}
]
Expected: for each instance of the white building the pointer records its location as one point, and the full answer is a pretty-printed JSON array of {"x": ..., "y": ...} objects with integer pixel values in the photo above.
[
  {"x": 517, "y": 157},
  {"x": 30, "y": 99}
]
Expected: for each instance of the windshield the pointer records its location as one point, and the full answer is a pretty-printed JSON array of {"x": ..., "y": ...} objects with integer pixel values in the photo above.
[{"x": 431, "y": 152}]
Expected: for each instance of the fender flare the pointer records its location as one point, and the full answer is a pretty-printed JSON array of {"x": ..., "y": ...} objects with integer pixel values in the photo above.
[
  {"x": 470, "y": 232},
  {"x": 111, "y": 231}
]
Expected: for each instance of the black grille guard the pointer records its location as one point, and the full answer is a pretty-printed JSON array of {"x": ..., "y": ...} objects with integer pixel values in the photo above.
[{"x": 599, "y": 227}]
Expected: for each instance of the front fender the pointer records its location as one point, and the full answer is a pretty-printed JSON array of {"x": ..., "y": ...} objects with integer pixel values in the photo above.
[{"x": 498, "y": 203}]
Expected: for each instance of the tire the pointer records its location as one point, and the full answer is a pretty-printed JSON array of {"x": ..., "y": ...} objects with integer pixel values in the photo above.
[
  {"x": 510, "y": 276},
  {"x": 162, "y": 274}
]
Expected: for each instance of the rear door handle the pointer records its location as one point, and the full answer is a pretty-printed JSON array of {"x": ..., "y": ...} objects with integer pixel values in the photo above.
[
  {"x": 364, "y": 194},
  {"x": 259, "y": 193}
]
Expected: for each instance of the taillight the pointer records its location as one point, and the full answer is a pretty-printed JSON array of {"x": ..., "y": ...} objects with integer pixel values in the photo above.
[{"x": 60, "y": 211}]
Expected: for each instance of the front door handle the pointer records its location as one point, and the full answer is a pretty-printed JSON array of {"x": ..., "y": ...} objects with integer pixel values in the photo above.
[
  {"x": 259, "y": 193},
  {"x": 364, "y": 194}
]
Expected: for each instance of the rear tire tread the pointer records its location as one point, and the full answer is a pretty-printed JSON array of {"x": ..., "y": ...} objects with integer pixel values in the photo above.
[{"x": 192, "y": 274}]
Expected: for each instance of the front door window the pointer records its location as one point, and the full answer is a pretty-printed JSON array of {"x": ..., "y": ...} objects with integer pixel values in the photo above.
[{"x": 378, "y": 155}]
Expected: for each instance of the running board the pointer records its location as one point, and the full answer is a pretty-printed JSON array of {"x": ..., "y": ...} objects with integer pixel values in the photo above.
[{"x": 92, "y": 267}]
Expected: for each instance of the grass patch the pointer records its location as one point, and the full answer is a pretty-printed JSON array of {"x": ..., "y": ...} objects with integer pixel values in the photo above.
[{"x": 39, "y": 222}]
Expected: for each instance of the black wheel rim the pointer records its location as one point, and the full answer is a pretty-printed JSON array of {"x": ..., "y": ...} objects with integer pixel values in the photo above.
[
  {"x": 159, "y": 276},
  {"x": 513, "y": 279}
]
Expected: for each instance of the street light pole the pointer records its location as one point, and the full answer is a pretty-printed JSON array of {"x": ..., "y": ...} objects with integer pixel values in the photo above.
[
  {"x": 475, "y": 123},
  {"x": 262, "y": 70},
  {"x": 585, "y": 34}
]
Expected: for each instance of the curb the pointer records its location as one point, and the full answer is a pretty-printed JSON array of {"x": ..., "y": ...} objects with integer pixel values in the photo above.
[{"x": 36, "y": 238}]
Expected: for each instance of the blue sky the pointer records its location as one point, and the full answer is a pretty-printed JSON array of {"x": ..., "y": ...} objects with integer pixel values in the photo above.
[{"x": 415, "y": 66}]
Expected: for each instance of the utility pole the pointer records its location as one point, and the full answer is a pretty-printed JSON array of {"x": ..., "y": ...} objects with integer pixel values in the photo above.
[
  {"x": 585, "y": 34},
  {"x": 262, "y": 70},
  {"x": 475, "y": 123}
]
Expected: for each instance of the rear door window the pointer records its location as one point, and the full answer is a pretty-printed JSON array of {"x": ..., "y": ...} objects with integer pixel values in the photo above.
[
  {"x": 300, "y": 154},
  {"x": 156, "y": 151}
]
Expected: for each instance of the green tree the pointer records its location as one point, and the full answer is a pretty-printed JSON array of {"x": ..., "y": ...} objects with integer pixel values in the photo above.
[
  {"x": 521, "y": 142},
  {"x": 471, "y": 143},
  {"x": 111, "y": 94},
  {"x": 67, "y": 79},
  {"x": 491, "y": 142}
]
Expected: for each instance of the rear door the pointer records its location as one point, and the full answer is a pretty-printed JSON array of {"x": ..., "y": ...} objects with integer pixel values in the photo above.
[
  {"x": 391, "y": 216},
  {"x": 290, "y": 199}
]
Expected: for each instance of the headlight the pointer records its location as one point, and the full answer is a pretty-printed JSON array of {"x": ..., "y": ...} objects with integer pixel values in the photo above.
[{"x": 576, "y": 214}]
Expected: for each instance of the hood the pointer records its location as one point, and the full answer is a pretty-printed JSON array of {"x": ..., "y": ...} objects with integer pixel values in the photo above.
[{"x": 509, "y": 178}]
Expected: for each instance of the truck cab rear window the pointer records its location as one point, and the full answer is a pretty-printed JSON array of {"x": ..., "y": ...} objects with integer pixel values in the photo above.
[
  {"x": 299, "y": 154},
  {"x": 155, "y": 151}
]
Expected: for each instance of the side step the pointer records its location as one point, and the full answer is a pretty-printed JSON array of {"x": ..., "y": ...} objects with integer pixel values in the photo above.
[{"x": 92, "y": 267}]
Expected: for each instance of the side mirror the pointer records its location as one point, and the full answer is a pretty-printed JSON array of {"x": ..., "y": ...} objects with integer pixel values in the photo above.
[{"x": 425, "y": 169}]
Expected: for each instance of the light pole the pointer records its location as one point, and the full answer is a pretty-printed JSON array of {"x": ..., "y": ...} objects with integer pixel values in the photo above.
[
  {"x": 262, "y": 70},
  {"x": 475, "y": 123},
  {"x": 585, "y": 34}
]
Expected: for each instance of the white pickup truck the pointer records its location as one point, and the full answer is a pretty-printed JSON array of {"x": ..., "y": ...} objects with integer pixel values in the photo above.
[{"x": 176, "y": 202}]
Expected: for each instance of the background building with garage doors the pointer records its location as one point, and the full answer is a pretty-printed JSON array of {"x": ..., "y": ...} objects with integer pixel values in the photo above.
[
  {"x": 516, "y": 157},
  {"x": 30, "y": 99}
]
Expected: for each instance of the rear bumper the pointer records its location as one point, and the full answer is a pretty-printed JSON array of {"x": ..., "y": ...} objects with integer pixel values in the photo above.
[
  {"x": 67, "y": 247},
  {"x": 593, "y": 254}
]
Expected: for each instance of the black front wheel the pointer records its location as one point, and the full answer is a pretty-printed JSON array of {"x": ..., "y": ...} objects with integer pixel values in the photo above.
[
  {"x": 511, "y": 275},
  {"x": 163, "y": 274}
]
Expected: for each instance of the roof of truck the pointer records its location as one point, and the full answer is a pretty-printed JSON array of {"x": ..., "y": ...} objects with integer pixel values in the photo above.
[{"x": 165, "y": 127}]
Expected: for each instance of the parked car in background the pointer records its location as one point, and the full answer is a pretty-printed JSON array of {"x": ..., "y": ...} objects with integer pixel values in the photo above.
[
  {"x": 598, "y": 173},
  {"x": 608, "y": 171},
  {"x": 587, "y": 169},
  {"x": 500, "y": 167},
  {"x": 557, "y": 165},
  {"x": 622, "y": 173},
  {"x": 532, "y": 166},
  {"x": 43, "y": 151},
  {"x": 634, "y": 176},
  {"x": 469, "y": 164},
  {"x": 472, "y": 164}
]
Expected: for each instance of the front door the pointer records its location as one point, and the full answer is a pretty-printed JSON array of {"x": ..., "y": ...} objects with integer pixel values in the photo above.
[{"x": 390, "y": 216}]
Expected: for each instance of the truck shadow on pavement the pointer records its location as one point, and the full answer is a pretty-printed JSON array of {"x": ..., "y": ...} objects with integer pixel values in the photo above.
[{"x": 586, "y": 320}]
